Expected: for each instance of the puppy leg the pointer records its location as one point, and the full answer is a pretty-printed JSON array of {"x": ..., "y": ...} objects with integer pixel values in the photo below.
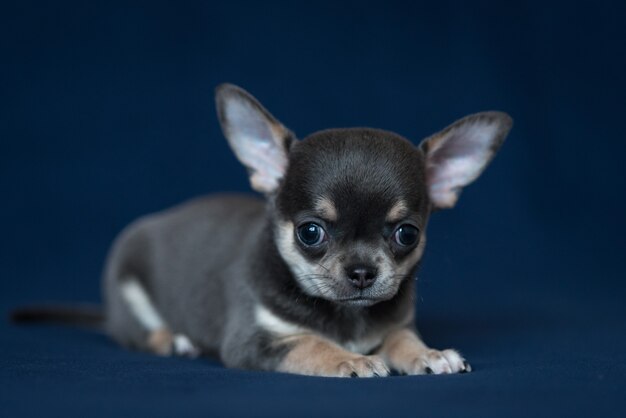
[
  {"x": 405, "y": 352},
  {"x": 316, "y": 356},
  {"x": 279, "y": 345},
  {"x": 160, "y": 340}
]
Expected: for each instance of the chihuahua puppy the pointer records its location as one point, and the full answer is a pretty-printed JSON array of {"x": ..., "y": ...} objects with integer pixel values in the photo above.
[{"x": 316, "y": 280}]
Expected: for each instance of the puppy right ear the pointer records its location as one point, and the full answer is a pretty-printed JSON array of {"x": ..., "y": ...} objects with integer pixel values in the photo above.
[
  {"x": 456, "y": 156},
  {"x": 259, "y": 141}
]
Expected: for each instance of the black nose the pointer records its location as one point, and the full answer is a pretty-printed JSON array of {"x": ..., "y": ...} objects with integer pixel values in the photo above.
[{"x": 361, "y": 276}]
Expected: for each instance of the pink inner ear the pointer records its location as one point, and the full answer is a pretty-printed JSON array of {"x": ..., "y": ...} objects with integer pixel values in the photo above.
[
  {"x": 257, "y": 142},
  {"x": 457, "y": 157}
]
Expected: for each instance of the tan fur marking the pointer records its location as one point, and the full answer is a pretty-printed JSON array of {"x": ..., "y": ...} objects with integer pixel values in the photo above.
[
  {"x": 402, "y": 347},
  {"x": 161, "y": 342},
  {"x": 397, "y": 212},
  {"x": 326, "y": 208},
  {"x": 414, "y": 257},
  {"x": 309, "y": 275},
  {"x": 316, "y": 356}
]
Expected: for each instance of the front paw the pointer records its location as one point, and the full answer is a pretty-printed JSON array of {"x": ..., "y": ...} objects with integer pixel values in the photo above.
[
  {"x": 436, "y": 362},
  {"x": 360, "y": 366},
  {"x": 313, "y": 355}
]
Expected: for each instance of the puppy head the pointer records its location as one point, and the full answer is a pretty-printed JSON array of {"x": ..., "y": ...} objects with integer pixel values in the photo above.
[{"x": 351, "y": 205}]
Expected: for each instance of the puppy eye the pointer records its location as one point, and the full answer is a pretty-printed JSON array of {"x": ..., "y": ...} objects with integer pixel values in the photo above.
[
  {"x": 311, "y": 234},
  {"x": 406, "y": 235}
]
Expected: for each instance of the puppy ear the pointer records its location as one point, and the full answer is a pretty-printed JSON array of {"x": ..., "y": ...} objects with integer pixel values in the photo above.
[
  {"x": 457, "y": 155},
  {"x": 259, "y": 141}
]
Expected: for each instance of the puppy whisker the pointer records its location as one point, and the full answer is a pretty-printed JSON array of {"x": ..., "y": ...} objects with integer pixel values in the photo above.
[{"x": 322, "y": 266}]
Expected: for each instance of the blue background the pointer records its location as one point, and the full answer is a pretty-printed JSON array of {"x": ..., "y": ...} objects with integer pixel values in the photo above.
[{"x": 106, "y": 113}]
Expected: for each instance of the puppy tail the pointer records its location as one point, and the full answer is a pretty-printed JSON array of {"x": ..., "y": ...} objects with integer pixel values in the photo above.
[{"x": 80, "y": 315}]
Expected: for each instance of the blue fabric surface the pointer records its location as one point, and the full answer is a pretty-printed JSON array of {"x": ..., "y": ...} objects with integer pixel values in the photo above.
[{"x": 106, "y": 114}]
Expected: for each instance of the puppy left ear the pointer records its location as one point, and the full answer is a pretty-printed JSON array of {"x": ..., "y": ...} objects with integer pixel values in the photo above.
[
  {"x": 458, "y": 154},
  {"x": 259, "y": 141}
]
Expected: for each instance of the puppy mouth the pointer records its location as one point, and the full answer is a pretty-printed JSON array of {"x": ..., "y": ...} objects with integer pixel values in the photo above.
[
  {"x": 358, "y": 301},
  {"x": 364, "y": 297}
]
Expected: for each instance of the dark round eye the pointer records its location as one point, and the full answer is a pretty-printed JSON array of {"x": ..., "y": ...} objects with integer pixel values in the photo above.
[
  {"x": 311, "y": 234},
  {"x": 406, "y": 235}
]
